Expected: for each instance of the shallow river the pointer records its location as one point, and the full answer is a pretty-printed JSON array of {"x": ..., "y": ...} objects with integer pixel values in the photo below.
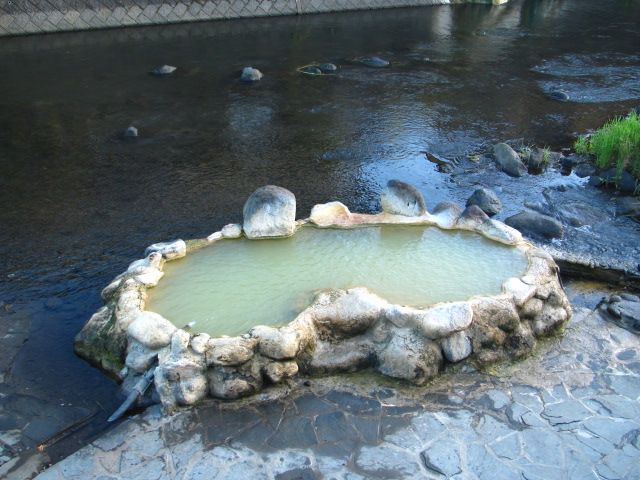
[{"x": 79, "y": 202}]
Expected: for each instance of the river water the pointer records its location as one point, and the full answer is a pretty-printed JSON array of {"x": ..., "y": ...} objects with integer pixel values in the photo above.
[{"x": 79, "y": 202}]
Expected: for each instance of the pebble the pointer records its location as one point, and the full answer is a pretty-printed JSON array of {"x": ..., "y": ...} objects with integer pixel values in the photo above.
[{"x": 163, "y": 70}]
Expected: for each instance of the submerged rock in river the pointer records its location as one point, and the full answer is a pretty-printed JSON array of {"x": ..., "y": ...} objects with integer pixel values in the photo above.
[
  {"x": 373, "y": 62},
  {"x": 162, "y": 71},
  {"x": 250, "y": 74},
  {"x": 328, "y": 68},
  {"x": 508, "y": 160}
]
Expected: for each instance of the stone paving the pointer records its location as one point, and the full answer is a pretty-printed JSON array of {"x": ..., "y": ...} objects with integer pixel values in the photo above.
[{"x": 570, "y": 411}]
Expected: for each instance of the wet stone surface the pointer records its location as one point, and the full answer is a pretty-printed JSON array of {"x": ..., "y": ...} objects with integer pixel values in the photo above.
[{"x": 570, "y": 411}]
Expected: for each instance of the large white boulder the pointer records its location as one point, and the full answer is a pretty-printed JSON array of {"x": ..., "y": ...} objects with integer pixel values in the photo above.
[{"x": 270, "y": 211}]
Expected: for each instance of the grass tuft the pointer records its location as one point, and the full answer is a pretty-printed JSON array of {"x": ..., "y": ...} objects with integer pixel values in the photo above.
[{"x": 617, "y": 144}]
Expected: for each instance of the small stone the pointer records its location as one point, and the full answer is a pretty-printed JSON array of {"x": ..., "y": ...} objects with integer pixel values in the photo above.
[
  {"x": 250, "y": 74},
  {"x": 487, "y": 200},
  {"x": 232, "y": 230},
  {"x": 328, "y": 68},
  {"x": 508, "y": 160},
  {"x": 131, "y": 132},
  {"x": 310, "y": 70},
  {"x": 163, "y": 70},
  {"x": 456, "y": 347},
  {"x": 276, "y": 343},
  {"x": 278, "y": 371},
  {"x": 374, "y": 62},
  {"x": 400, "y": 198},
  {"x": 199, "y": 343}
]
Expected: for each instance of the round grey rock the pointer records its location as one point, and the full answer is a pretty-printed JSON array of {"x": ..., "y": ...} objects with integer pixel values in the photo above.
[
  {"x": 536, "y": 224},
  {"x": 250, "y": 74},
  {"x": 131, "y": 132},
  {"x": 486, "y": 200},
  {"x": 328, "y": 68},
  {"x": 508, "y": 160},
  {"x": 270, "y": 211}
]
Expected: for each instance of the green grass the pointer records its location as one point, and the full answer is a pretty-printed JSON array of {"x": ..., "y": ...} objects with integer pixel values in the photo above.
[
  {"x": 616, "y": 144},
  {"x": 546, "y": 156}
]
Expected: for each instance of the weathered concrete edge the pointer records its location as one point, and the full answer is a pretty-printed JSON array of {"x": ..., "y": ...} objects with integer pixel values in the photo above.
[
  {"x": 340, "y": 331},
  {"x": 43, "y": 16}
]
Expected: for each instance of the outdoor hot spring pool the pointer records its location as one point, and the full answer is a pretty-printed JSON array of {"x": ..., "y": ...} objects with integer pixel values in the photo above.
[{"x": 235, "y": 284}]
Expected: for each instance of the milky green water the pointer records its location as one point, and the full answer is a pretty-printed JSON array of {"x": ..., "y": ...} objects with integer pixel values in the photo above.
[{"x": 233, "y": 285}]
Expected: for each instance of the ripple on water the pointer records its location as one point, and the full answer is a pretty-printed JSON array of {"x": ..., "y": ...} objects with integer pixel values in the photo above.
[{"x": 592, "y": 78}]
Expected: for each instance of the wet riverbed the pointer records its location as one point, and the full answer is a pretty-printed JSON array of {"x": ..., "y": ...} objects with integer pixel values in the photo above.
[{"x": 79, "y": 202}]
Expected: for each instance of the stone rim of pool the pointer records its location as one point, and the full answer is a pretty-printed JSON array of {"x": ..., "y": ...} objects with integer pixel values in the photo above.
[{"x": 342, "y": 330}]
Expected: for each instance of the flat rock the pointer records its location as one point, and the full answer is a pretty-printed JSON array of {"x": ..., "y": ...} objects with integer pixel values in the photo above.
[
  {"x": 569, "y": 411},
  {"x": 508, "y": 160},
  {"x": 270, "y": 211},
  {"x": 442, "y": 457}
]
